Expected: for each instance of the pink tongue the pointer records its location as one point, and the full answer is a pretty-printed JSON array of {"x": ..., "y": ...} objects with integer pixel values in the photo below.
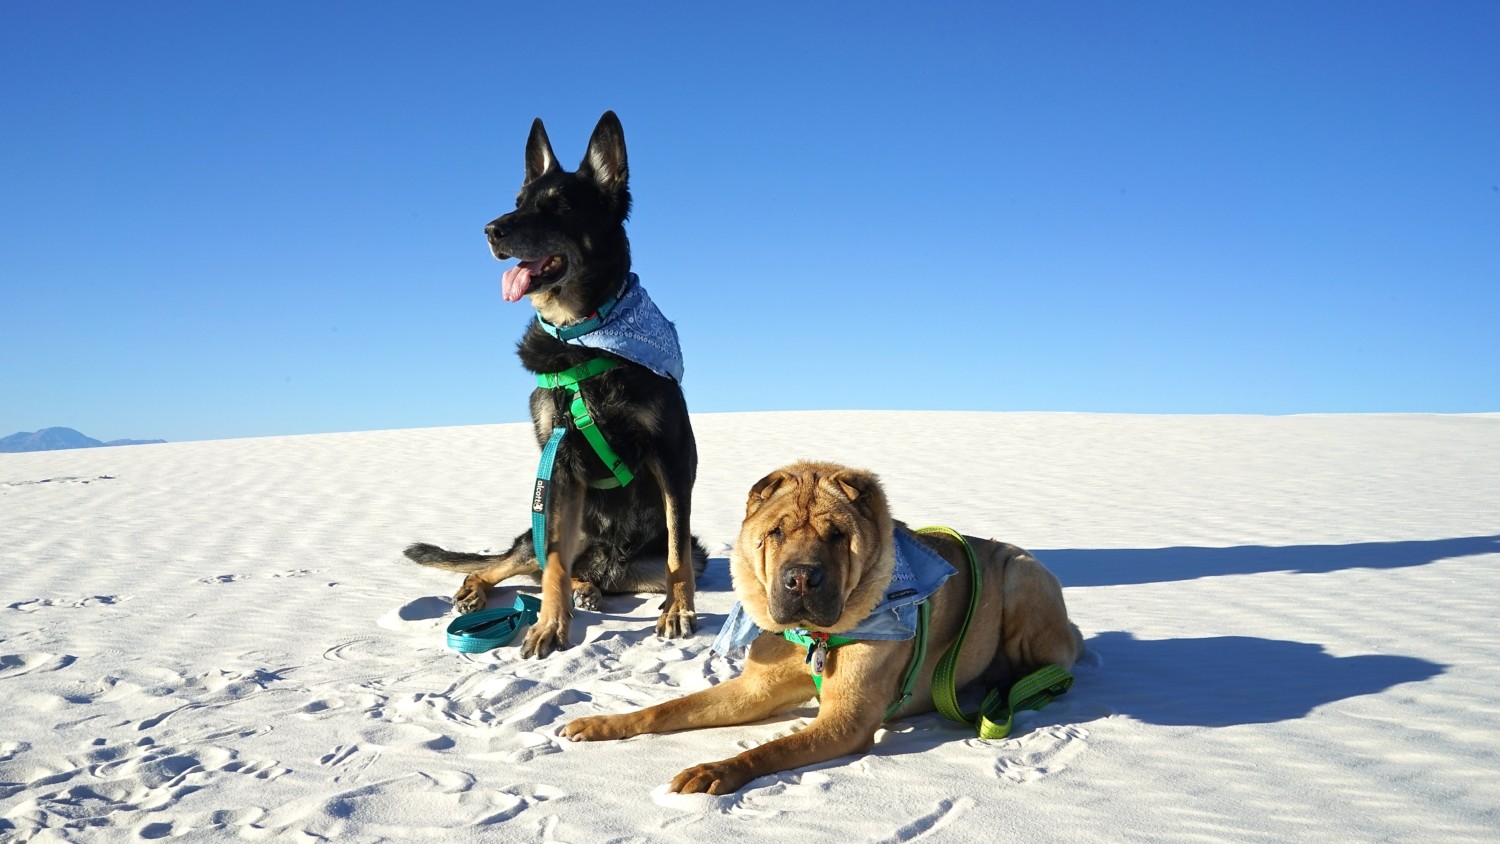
[{"x": 517, "y": 279}]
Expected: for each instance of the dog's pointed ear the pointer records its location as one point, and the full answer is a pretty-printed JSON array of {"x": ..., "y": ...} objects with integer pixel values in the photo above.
[
  {"x": 605, "y": 160},
  {"x": 539, "y": 157},
  {"x": 764, "y": 489},
  {"x": 862, "y": 489}
]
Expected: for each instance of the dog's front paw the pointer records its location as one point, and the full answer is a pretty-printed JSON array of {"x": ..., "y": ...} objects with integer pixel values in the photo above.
[
  {"x": 586, "y": 596},
  {"x": 676, "y": 622},
  {"x": 598, "y": 728},
  {"x": 472, "y": 596},
  {"x": 546, "y": 636},
  {"x": 712, "y": 778}
]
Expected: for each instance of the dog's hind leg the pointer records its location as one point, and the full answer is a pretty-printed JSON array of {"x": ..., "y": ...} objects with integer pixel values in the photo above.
[
  {"x": 586, "y": 595},
  {"x": 483, "y": 570},
  {"x": 1035, "y": 630}
]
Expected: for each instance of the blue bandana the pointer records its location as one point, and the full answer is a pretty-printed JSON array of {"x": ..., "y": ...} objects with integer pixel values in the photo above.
[
  {"x": 919, "y": 572},
  {"x": 635, "y": 330}
]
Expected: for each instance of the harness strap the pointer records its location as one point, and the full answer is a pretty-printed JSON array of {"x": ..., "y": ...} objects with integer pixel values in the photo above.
[
  {"x": 571, "y": 376},
  {"x": 918, "y": 656},
  {"x": 583, "y": 420},
  {"x": 819, "y": 644}
]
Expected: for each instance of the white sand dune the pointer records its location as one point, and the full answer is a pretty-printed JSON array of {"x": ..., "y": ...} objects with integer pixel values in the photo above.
[{"x": 1291, "y": 625}]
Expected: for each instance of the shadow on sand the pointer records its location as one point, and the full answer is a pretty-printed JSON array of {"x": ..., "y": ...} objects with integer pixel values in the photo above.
[
  {"x": 1133, "y": 566},
  {"x": 1226, "y": 681}
]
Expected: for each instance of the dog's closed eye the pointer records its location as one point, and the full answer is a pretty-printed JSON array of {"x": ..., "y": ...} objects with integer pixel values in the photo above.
[{"x": 775, "y": 535}]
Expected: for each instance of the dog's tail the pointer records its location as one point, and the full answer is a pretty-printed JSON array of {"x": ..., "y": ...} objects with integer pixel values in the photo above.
[{"x": 441, "y": 558}]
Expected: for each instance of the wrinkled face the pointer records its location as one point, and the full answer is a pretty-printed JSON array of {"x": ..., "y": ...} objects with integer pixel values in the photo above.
[{"x": 815, "y": 548}]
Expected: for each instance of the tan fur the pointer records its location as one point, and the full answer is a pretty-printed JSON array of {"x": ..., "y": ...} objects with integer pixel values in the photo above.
[
  {"x": 1021, "y": 624},
  {"x": 678, "y": 619}
]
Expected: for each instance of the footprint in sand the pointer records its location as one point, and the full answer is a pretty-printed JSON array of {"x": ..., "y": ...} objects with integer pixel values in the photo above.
[
  {"x": 546, "y": 713},
  {"x": 355, "y": 649},
  {"x": 34, "y": 604},
  {"x": 787, "y": 792},
  {"x": 1040, "y": 753},
  {"x": 125, "y": 781},
  {"x": 14, "y": 665},
  {"x": 259, "y": 769},
  {"x": 944, "y": 813},
  {"x": 533, "y": 745},
  {"x": 406, "y": 736},
  {"x": 59, "y": 480},
  {"x": 350, "y": 761},
  {"x": 434, "y": 801}
]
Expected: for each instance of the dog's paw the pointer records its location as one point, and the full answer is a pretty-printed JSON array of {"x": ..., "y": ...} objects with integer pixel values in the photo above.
[
  {"x": 711, "y": 778},
  {"x": 546, "y": 636},
  {"x": 472, "y": 596},
  {"x": 598, "y": 728},
  {"x": 676, "y": 622},
  {"x": 586, "y": 596}
]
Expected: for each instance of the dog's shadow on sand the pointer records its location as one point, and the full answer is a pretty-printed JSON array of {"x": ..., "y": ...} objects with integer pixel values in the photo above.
[
  {"x": 1135, "y": 566},
  {"x": 1224, "y": 681}
]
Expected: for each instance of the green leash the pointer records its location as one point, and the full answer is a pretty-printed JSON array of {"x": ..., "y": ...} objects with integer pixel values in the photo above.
[
  {"x": 993, "y": 720},
  {"x": 541, "y": 494}
]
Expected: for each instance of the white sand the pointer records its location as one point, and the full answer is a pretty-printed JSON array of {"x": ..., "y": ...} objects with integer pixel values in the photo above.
[{"x": 1291, "y": 622}]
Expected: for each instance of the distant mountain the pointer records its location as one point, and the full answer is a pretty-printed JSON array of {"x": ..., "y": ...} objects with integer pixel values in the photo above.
[{"x": 55, "y": 439}]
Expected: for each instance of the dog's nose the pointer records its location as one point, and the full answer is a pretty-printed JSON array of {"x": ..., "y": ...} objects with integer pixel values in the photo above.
[
  {"x": 494, "y": 230},
  {"x": 799, "y": 579}
]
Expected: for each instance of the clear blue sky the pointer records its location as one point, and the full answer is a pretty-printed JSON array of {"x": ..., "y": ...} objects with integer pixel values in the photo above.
[{"x": 223, "y": 220}]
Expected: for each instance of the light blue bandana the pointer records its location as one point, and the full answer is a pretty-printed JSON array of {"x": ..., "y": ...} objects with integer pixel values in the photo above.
[
  {"x": 919, "y": 572},
  {"x": 635, "y": 330}
]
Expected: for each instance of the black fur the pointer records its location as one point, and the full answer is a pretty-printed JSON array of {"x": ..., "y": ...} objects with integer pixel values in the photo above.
[{"x": 574, "y": 223}]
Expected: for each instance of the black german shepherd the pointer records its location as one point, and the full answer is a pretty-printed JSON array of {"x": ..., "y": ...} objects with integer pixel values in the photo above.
[{"x": 568, "y": 231}]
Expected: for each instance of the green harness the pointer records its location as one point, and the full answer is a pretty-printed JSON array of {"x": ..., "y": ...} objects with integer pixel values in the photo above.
[
  {"x": 993, "y": 720},
  {"x": 569, "y": 380}
]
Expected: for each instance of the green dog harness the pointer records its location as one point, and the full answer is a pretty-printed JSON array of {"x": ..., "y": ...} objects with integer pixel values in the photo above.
[
  {"x": 569, "y": 380},
  {"x": 993, "y": 720}
]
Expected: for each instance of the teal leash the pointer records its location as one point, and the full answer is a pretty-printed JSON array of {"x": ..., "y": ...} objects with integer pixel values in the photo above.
[
  {"x": 541, "y": 494},
  {"x": 477, "y": 632}
]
